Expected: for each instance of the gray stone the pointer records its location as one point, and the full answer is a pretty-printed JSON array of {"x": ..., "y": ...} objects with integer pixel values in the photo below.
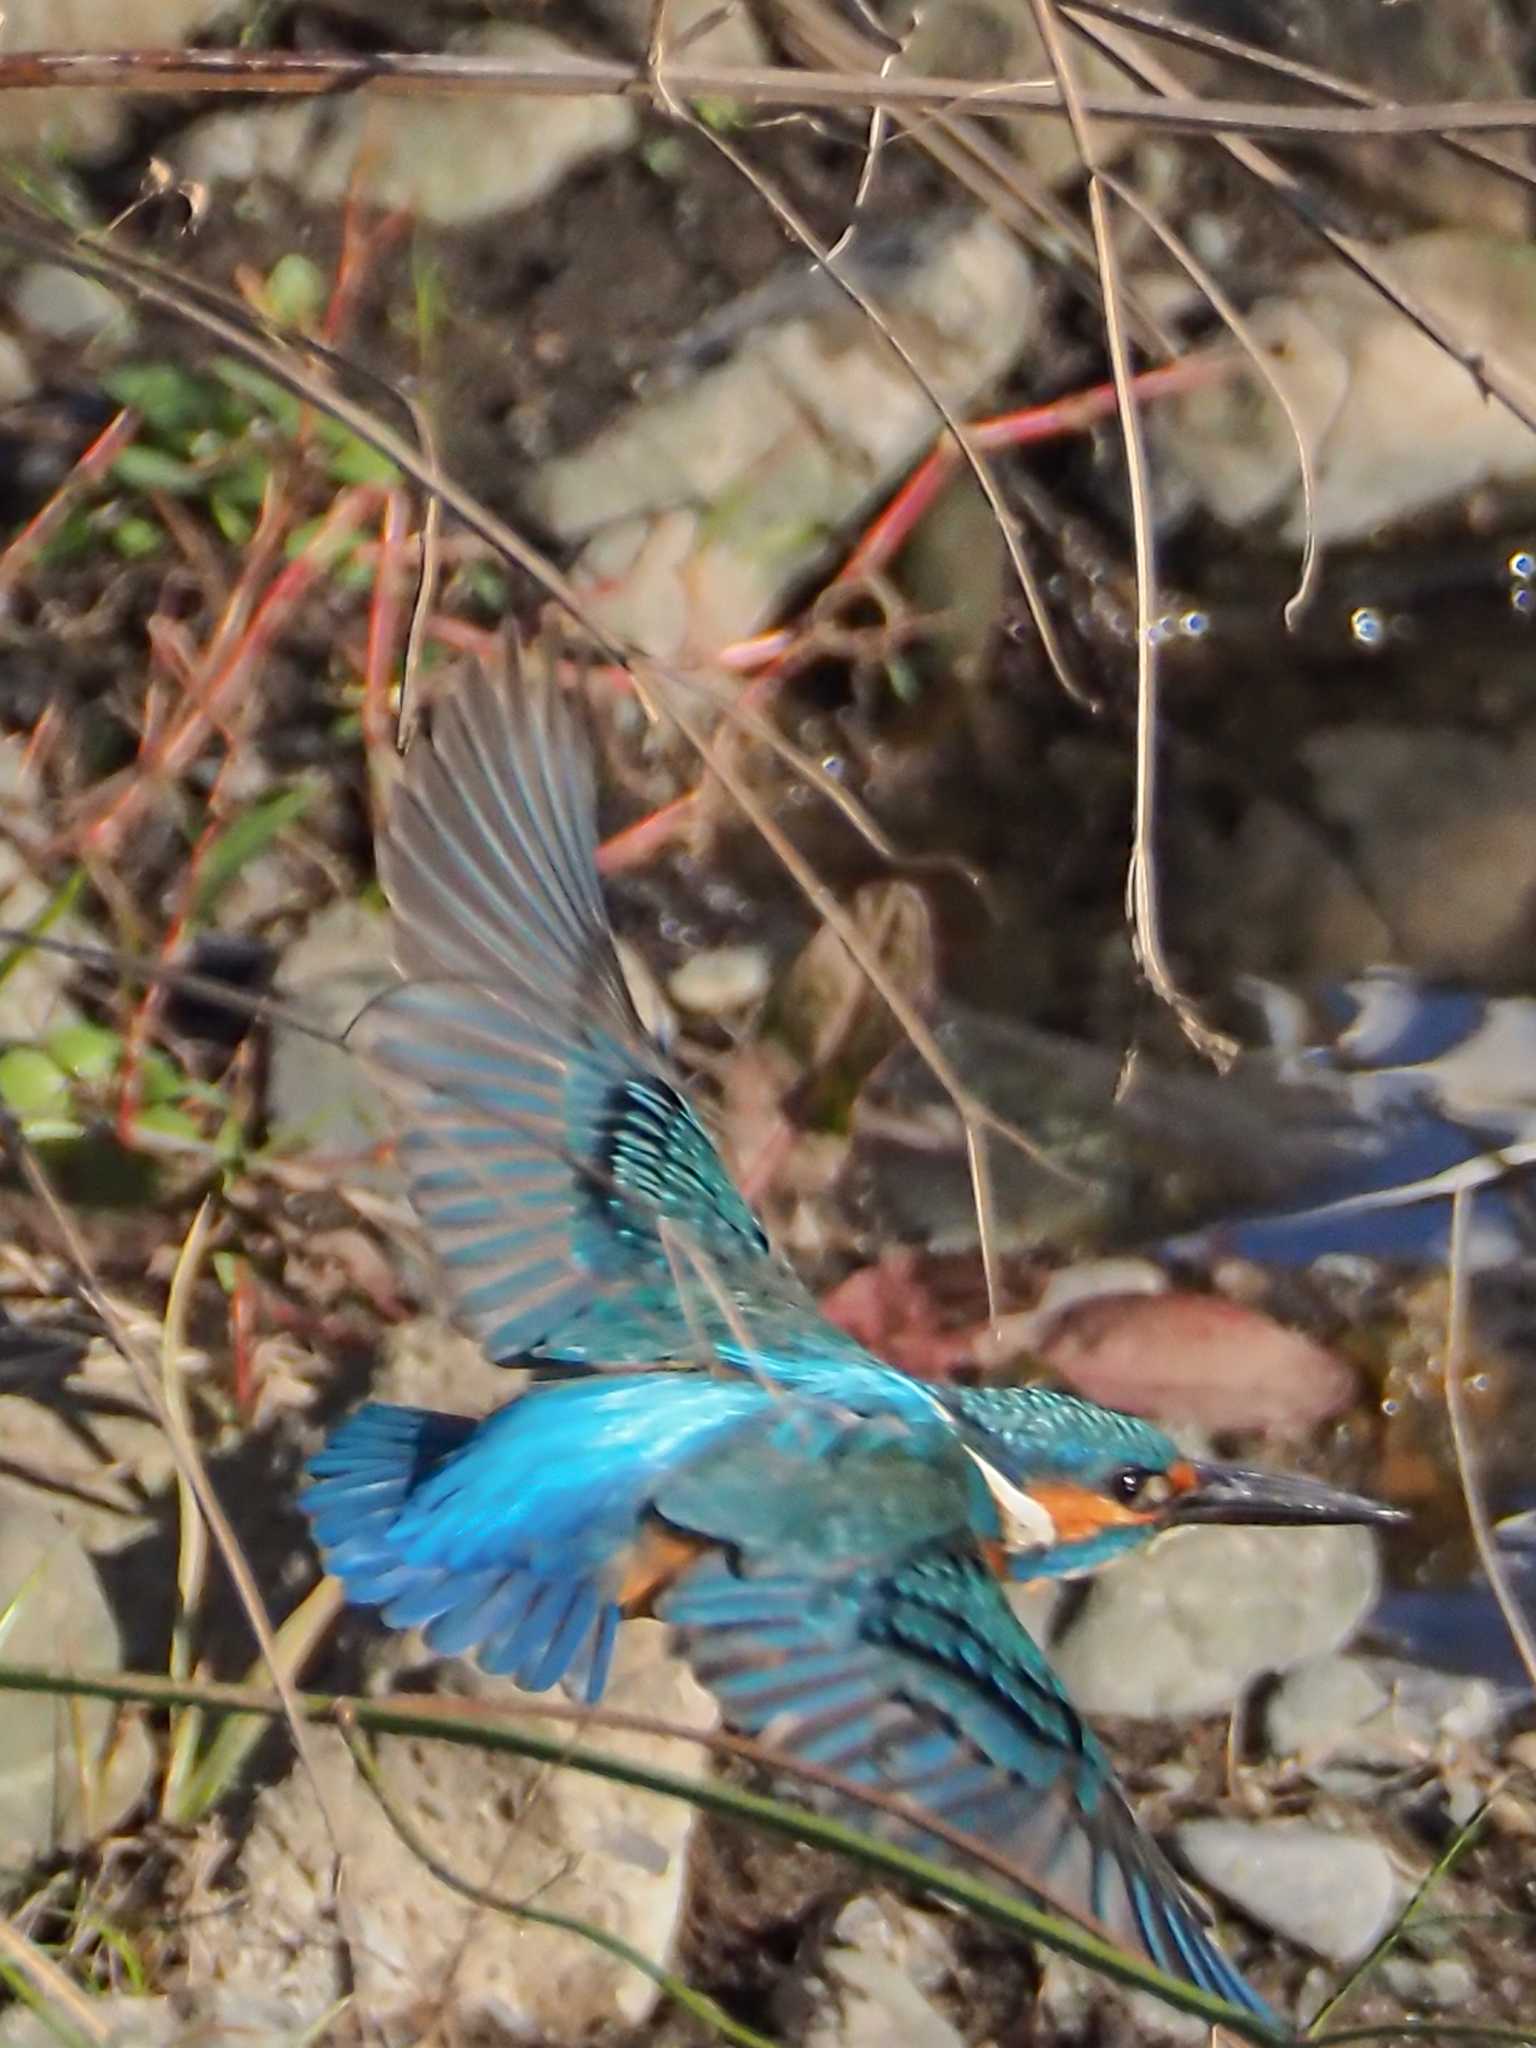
[
  {"x": 96, "y": 1450},
  {"x": 161, "y": 2023},
  {"x": 1354, "y": 368},
  {"x": 16, "y": 378},
  {"x": 1209, "y": 1611},
  {"x": 699, "y": 32},
  {"x": 606, "y": 1853},
  {"x": 1334, "y": 1894},
  {"x": 451, "y": 161},
  {"x": 1320, "y": 1704},
  {"x": 1444, "y": 1984},
  {"x": 884, "y": 1961},
  {"x": 701, "y": 506},
  {"x": 70, "y": 1769},
  {"x": 1425, "y": 1708},
  {"x": 58, "y": 302},
  {"x": 324, "y": 1095},
  {"x": 32, "y": 998},
  {"x": 721, "y": 979}
]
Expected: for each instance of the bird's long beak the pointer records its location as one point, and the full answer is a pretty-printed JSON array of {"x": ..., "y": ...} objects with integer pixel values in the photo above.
[{"x": 1234, "y": 1493}]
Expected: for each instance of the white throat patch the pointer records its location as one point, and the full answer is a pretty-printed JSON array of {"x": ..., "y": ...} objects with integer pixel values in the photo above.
[{"x": 1026, "y": 1525}]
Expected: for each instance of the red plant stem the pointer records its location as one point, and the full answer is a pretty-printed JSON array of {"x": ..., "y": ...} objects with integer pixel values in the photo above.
[
  {"x": 385, "y": 614},
  {"x": 91, "y": 467},
  {"x": 175, "y": 751},
  {"x": 763, "y": 654},
  {"x": 147, "y": 1014}
]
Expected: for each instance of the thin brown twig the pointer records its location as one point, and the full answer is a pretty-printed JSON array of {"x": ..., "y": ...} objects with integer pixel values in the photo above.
[
  {"x": 1143, "y": 904},
  {"x": 1485, "y": 369},
  {"x": 1190, "y": 35},
  {"x": 394, "y": 73}
]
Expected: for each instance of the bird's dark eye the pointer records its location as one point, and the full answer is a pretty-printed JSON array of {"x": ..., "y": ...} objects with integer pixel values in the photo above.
[{"x": 1138, "y": 1486}]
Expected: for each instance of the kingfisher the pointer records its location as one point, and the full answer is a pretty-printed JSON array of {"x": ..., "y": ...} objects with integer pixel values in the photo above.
[
  {"x": 580, "y": 1210},
  {"x": 824, "y": 1536},
  {"x": 832, "y": 1578}
]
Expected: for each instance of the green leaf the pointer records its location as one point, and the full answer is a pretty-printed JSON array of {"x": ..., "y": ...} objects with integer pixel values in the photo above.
[
  {"x": 296, "y": 290},
  {"x": 278, "y": 403},
  {"x": 251, "y": 833},
  {"x": 136, "y": 538},
  {"x": 162, "y": 1124},
  {"x": 31, "y": 1083},
  {"x": 356, "y": 463},
  {"x": 169, "y": 399},
  {"x": 151, "y": 469},
  {"x": 89, "y": 1052}
]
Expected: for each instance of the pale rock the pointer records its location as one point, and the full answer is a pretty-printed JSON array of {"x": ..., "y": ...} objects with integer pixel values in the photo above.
[
  {"x": 1426, "y": 1708},
  {"x": 71, "y": 1769},
  {"x": 453, "y": 161},
  {"x": 722, "y": 979},
  {"x": 1209, "y": 1611},
  {"x": 1072, "y": 1997},
  {"x": 323, "y": 1095},
  {"x": 16, "y": 379},
  {"x": 992, "y": 39},
  {"x": 1184, "y": 1357},
  {"x": 699, "y": 32},
  {"x": 1355, "y": 369},
  {"x": 161, "y": 2023},
  {"x": 1441, "y": 828},
  {"x": 701, "y": 506},
  {"x": 884, "y": 1961},
  {"x": 1447, "y": 1984},
  {"x": 427, "y": 1363},
  {"x": 1332, "y": 1893},
  {"x": 32, "y": 998},
  {"x": 64, "y": 305},
  {"x": 610, "y": 1854},
  {"x": 71, "y": 120},
  {"x": 1321, "y": 1704},
  {"x": 96, "y": 1450}
]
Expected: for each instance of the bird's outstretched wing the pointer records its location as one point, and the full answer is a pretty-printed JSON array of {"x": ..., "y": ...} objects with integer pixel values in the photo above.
[
  {"x": 915, "y": 1679},
  {"x": 579, "y": 1208},
  {"x": 921, "y": 1685}
]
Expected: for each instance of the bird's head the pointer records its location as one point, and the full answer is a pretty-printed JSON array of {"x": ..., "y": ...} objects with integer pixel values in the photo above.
[{"x": 1075, "y": 1485}]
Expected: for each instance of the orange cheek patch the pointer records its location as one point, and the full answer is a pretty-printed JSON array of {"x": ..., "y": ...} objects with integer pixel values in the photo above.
[
  {"x": 1078, "y": 1513},
  {"x": 660, "y": 1557}
]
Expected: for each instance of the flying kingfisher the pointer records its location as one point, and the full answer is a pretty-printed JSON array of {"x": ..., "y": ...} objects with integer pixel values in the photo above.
[{"x": 823, "y": 1534}]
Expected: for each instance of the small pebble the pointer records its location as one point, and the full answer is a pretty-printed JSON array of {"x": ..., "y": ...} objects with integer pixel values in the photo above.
[
  {"x": 725, "y": 978},
  {"x": 58, "y": 302}
]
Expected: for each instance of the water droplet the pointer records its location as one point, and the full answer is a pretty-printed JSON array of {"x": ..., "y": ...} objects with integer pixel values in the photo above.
[
  {"x": 1367, "y": 626},
  {"x": 1523, "y": 601},
  {"x": 1195, "y": 625},
  {"x": 1522, "y": 565}
]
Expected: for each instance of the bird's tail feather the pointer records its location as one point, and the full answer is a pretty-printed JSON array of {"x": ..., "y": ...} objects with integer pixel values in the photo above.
[{"x": 535, "y": 1618}]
